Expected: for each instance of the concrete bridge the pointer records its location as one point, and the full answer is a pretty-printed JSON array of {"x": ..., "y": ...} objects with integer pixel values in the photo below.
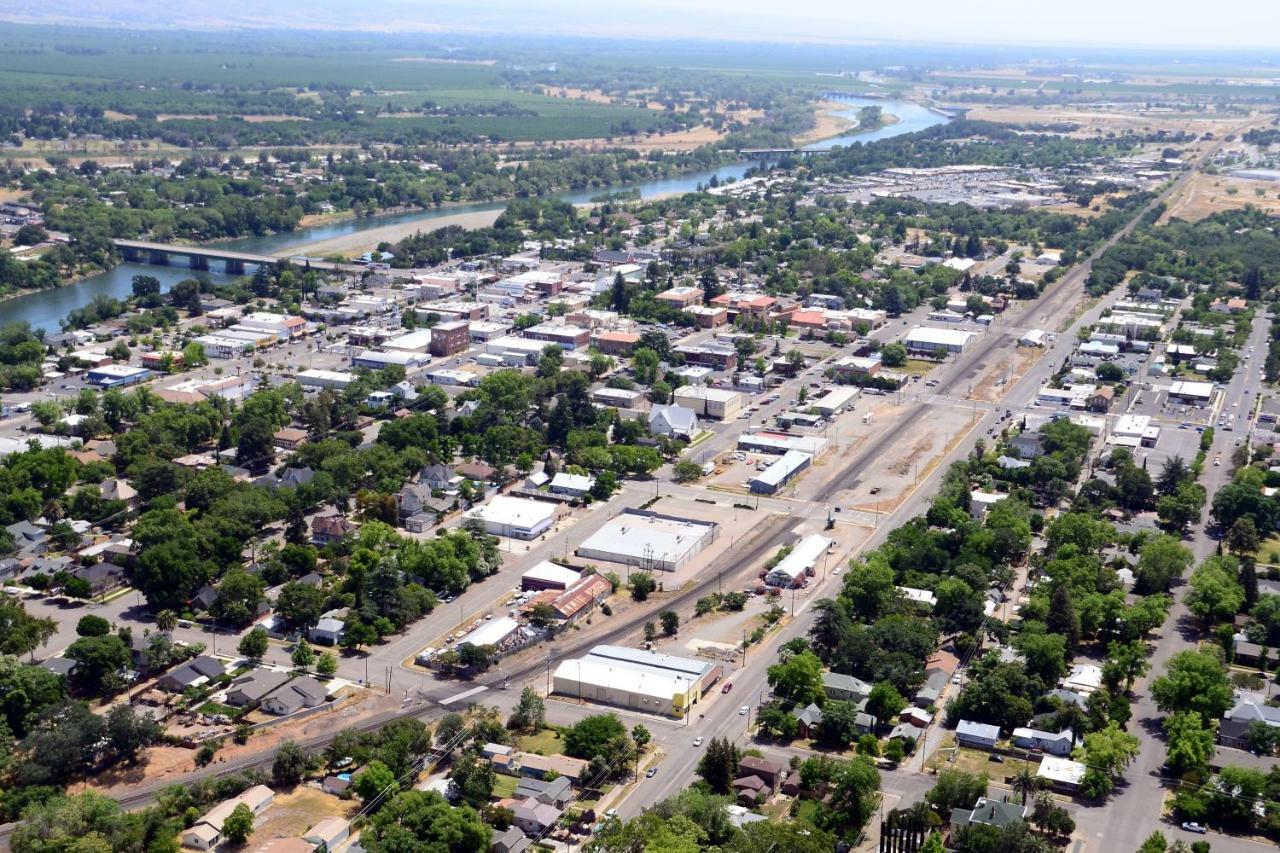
[{"x": 199, "y": 257}]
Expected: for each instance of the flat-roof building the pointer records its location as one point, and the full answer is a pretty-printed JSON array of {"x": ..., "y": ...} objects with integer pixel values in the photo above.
[
  {"x": 518, "y": 518},
  {"x": 450, "y": 338},
  {"x": 793, "y": 568},
  {"x": 637, "y": 679},
  {"x": 928, "y": 339},
  {"x": 649, "y": 540},
  {"x": 314, "y": 378},
  {"x": 780, "y": 472},
  {"x": 118, "y": 375},
  {"x": 718, "y": 403}
]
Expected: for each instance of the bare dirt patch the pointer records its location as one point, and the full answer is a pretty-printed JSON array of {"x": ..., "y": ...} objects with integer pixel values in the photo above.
[
  {"x": 1204, "y": 195},
  {"x": 996, "y": 382},
  {"x": 293, "y": 813}
]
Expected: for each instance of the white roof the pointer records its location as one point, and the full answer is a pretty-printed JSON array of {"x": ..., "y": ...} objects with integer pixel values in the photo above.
[
  {"x": 574, "y": 482},
  {"x": 633, "y": 535},
  {"x": 401, "y": 357},
  {"x": 961, "y": 264},
  {"x": 803, "y": 556},
  {"x": 121, "y": 370},
  {"x": 1035, "y": 336},
  {"x": 836, "y": 397},
  {"x": 939, "y": 337},
  {"x": 418, "y": 339},
  {"x": 1203, "y": 390},
  {"x": 552, "y": 573},
  {"x": 784, "y": 467},
  {"x": 1132, "y": 424},
  {"x": 986, "y": 497},
  {"x": 1062, "y": 770},
  {"x": 657, "y": 684},
  {"x": 702, "y": 392},
  {"x": 922, "y": 596},
  {"x": 1083, "y": 677},
  {"x": 492, "y": 633},
  {"x": 516, "y": 512}
]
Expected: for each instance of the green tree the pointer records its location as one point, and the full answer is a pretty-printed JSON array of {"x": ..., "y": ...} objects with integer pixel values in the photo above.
[
  {"x": 1024, "y": 783},
  {"x": 374, "y": 783},
  {"x": 955, "y": 789},
  {"x": 239, "y": 824},
  {"x": 640, "y": 735},
  {"x": 591, "y": 736},
  {"x": 718, "y": 766},
  {"x": 530, "y": 712},
  {"x": 92, "y": 626},
  {"x": 254, "y": 644},
  {"x": 1194, "y": 681},
  {"x": 1216, "y": 594},
  {"x": 327, "y": 664},
  {"x": 893, "y": 355},
  {"x": 303, "y": 655},
  {"x": 423, "y": 822},
  {"x": 670, "y": 622},
  {"x": 686, "y": 471},
  {"x": 1190, "y": 743},
  {"x": 884, "y": 702},
  {"x": 471, "y": 780},
  {"x": 798, "y": 679},
  {"x": 98, "y": 657},
  {"x": 854, "y": 796},
  {"x": 290, "y": 764}
]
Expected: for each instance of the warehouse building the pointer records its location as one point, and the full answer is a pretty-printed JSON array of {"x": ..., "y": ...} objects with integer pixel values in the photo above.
[
  {"x": 718, "y": 403},
  {"x": 926, "y": 339},
  {"x": 649, "y": 540},
  {"x": 315, "y": 378},
  {"x": 517, "y": 518},
  {"x": 638, "y": 680},
  {"x": 799, "y": 564},
  {"x": 779, "y": 443},
  {"x": 778, "y": 474},
  {"x": 548, "y": 575},
  {"x": 118, "y": 375},
  {"x": 835, "y": 401}
]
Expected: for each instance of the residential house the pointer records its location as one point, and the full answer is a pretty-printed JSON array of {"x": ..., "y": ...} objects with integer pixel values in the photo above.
[
  {"x": 101, "y": 577},
  {"x": 844, "y": 687},
  {"x": 977, "y": 735},
  {"x": 289, "y": 438},
  {"x": 329, "y": 529},
  {"x": 807, "y": 720},
  {"x": 194, "y": 672},
  {"x": 1233, "y": 729},
  {"x": 329, "y": 629},
  {"x": 303, "y": 692},
  {"x": 328, "y": 834},
  {"x": 1054, "y": 743},
  {"x": 206, "y": 832},
  {"x": 930, "y": 693},
  {"x": 988, "y": 812},
  {"x": 511, "y": 841},
  {"x": 771, "y": 772},
  {"x": 675, "y": 421},
  {"x": 538, "y": 766},
  {"x": 1029, "y": 444},
  {"x": 535, "y": 818},
  {"x": 252, "y": 687},
  {"x": 573, "y": 485},
  {"x": 558, "y": 792},
  {"x": 116, "y": 489},
  {"x": 27, "y": 537}
]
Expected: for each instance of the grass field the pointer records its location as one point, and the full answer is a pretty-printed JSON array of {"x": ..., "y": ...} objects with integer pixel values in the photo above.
[
  {"x": 504, "y": 786},
  {"x": 545, "y": 742}
]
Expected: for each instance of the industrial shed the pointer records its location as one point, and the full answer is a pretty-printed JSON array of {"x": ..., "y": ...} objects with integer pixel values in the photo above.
[
  {"x": 649, "y": 540},
  {"x": 637, "y": 679}
]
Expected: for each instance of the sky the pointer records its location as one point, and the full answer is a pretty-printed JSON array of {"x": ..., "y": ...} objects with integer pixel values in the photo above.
[{"x": 1222, "y": 24}]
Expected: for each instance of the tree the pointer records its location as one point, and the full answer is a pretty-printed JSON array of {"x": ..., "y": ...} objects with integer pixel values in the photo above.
[
  {"x": 374, "y": 783},
  {"x": 254, "y": 644},
  {"x": 303, "y": 655},
  {"x": 1062, "y": 618},
  {"x": 238, "y": 597},
  {"x": 1105, "y": 753},
  {"x": 92, "y": 626},
  {"x": 933, "y": 844},
  {"x": 718, "y": 766},
  {"x": 471, "y": 780},
  {"x": 300, "y": 605},
  {"x": 530, "y": 712},
  {"x": 423, "y": 822},
  {"x": 884, "y": 702},
  {"x": 591, "y": 736},
  {"x": 128, "y": 732},
  {"x": 1125, "y": 663},
  {"x": 1242, "y": 538},
  {"x": 839, "y": 726},
  {"x": 238, "y": 825},
  {"x": 670, "y": 622},
  {"x": 1194, "y": 681},
  {"x": 640, "y": 735},
  {"x": 959, "y": 607},
  {"x": 1190, "y": 743},
  {"x": 327, "y": 664},
  {"x": 166, "y": 622},
  {"x": 642, "y": 585},
  {"x": 1216, "y": 594},
  {"x": 798, "y": 680},
  {"x": 1024, "y": 783},
  {"x": 955, "y": 789},
  {"x": 290, "y": 764},
  {"x": 854, "y": 796},
  {"x": 1045, "y": 655},
  {"x": 644, "y": 362},
  {"x": 98, "y": 657},
  {"x": 893, "y": 355},
  {"x": 451, "y": 726},
  {"x": 686, "y": 471}
]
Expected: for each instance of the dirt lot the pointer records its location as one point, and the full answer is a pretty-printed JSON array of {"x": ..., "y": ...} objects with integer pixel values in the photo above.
[
  {"x": 1208, "y": 194},
  {"x": 293, "y": 813},
  {"x": 1094, "y": 121}
]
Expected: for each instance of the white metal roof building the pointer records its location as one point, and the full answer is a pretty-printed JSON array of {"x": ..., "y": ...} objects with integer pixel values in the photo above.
[
  {"x": 415, "y": 341},
  {"x": 325, "y": 378},
  {"x": 548, "y": 575},
  {"x": 1061, "y": 772},
  {"x": 634, "y": 678},
  {"x": 780, "y": 472},
  {"x": 649, "y": 540},
  {"x": 835, "y": 399},
  {"x": 779, "y": 443},
  {"x": 1033, "y": 338},
  {"x": 934, "y": 340},
  {"x": 803, "y": 557},
  {"x": 1200, "y": 392},
  {"x": 515, "y": 517},
  {"x": 495, "y": 632}
]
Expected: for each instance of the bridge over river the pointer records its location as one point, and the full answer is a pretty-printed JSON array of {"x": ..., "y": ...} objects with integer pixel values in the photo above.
[{"x": 199, "y": 257}]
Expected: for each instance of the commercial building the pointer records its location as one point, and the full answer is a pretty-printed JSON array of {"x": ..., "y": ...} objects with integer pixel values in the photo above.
[
  {"x": 615, "y": 343},
  {"x": 450, "y": 338},
  {"x": 416, "y": 341},
  {"x": 496, "y": 632},
  {"x": 519, "y": 352},
  {"x": 780, "y": 472},
  {"x": 799, "y": 564},
  {"x": 708, "y": 317},
  {"x": 518, "y": 518},
  {"x": 779, "y": 443},
  {"x": 718, "y": 403},
  {"x": 719, "y": 356},
  {"x": 834, "y": 401},
  {"x": 635, "y": 679},
  {"x": 118, "y": 375},
  {"x": 281, "y": 325},
  {"x": 620, "y": 398},
  {"x": 927, "y": 339},
  {"x": 649, "y": 540},
  {"x": 681, "y": 298},
  {"x": 374, "y": 360},
  {"x": 548, "y": 575},
  {"x": 197, "y": 390},
  {"x": 1192, "y": 392},
  {"x": 568, "y": 337},
  {"x": 337, "y": 379}
]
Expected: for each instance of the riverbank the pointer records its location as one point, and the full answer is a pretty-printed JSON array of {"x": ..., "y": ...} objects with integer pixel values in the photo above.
[
  {"x": 835, "y": 119},
  {"x": 359, "y": 242}
]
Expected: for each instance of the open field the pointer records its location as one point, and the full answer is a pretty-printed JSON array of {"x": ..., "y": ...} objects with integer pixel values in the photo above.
[
  {"x": 1209, "y": 194},
  {"x": 1093, "y": 121}
]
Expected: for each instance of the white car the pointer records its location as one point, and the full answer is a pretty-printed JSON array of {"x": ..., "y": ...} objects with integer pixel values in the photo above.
[
  {"x": 697, "y": 741},
  {"x": 742, "y": 712}
]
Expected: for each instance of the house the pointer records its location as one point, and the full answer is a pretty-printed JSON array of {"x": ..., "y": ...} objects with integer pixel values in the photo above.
[
  {"x": 535, "y": 818},
  {"x": 844, "y": 687},
  {"x": 328, "y": 529},
  {"x": 303, "y": 692},
  {"x": 929, "y": 693},
  {"x": 194, "y": 672},
  {"x": 437, "y": 477},
  {"x": 675, "y": 421},
  {"x": 1246, "y": 653},
  {"x": 1233, "y": 730},
  {"x": 918, "y": 717},
  {"x": 988, "y": 812},
  {"x": 977, "y": 735},
  {"x": 206, "y": 832},
  {"x": 905, "y": 732},
  {"x": 289, "y": 438},
  {"x": 573, "y": 485},
  {"x": 116, "y": 489},
  {"x": 328, "y": 834},
  {"x": 1059, "y": 743},
  {"x": 101, "y": 577},
  {"x": 807, "y": 720},
  {"x": 1101, "y": 399},
  {"x": 538, "y": 766},
  {"x": 1029, "y": 444},
  {"x": 252, "y": 687},
  {"x": 477, "y": 471},
  {"x": 1083, "y": 678},
  {"x": 1061, "y": 774},
  {"x": 59, "y": 666},
  {"x": 558, "y": 792},
  {"x": 511, "y": 841},
  {"x": 336, "y": 784},
  {"x": 27, "y": 537},
  {"x": 751, "y": 790},
  {"x": 328, "y": 629},
  {"x": 1067, "y": 697},
  {"x": 770, "y": 772}
]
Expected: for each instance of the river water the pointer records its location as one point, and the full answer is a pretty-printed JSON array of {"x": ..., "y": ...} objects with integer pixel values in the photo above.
[{"x": 45, "y": 308}]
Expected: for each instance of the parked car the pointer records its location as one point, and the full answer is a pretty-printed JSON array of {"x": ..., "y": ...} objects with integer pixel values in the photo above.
[
  {"x": 651, "y": 773},
  {"x": 1192, "y": 826},
  {"x": 727, "y": 687},
  {"x": 742, "y": 712},
  {"x": 697, "y": 741}
]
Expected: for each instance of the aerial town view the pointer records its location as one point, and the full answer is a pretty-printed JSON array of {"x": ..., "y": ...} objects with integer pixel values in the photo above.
[{"x": 543, "y": 426}]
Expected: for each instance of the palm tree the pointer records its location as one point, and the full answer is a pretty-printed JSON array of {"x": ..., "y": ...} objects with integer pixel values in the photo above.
[
  {"x": 1025, "y": 783},
  {"x": 166, "y": 621}
]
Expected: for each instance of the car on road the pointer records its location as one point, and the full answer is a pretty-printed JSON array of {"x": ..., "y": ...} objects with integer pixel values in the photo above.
[
  {"x": 742, "y": 712},
  {"x": 1192, "y": 826},
  {"x": 697, "y": 741},
  {"x": 727, "y": 687},
  {"x": 652, "y": 772},
  {"x": 611, "y": 813}
]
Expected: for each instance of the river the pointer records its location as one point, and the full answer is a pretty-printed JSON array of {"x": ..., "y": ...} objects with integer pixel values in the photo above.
[{"x": 45, "y": 308}]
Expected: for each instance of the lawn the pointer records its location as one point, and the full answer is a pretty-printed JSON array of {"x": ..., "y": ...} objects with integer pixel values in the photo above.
[
  {"x": 544, "y": 742},
  {"x": 218, "y": 708},
  {"x": 917, "y": 366},
  {"x": 1269, "y": 553},
  {"x": 504, "y": 786}
]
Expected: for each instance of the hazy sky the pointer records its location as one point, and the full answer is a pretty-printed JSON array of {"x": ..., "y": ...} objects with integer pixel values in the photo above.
[{"x": 1224, "y": 24}]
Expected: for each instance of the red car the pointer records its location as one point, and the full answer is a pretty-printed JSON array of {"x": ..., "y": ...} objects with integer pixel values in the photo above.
[{"x": 727, "y": 687}]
